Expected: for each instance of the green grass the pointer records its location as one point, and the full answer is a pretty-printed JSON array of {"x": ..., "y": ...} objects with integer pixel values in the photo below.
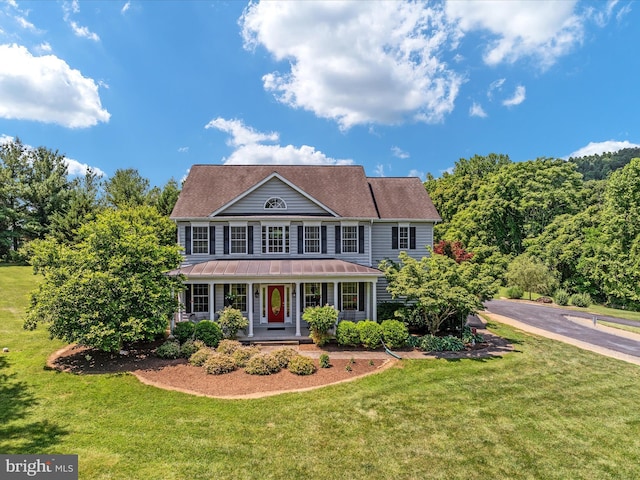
[
  {"x": 619, "y": 326},
  {"x": 548, "y": 411}
]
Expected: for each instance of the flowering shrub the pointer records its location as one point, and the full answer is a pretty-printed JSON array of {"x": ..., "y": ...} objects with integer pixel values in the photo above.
[
  {"x": 243, "y": 354},
  {"x": 218, "y": 364},
  {"x": 301, "y": 365},
  {"x": 320, "y": 320},
  {"x": 228, "y": 346},
  {"x": 262, "y": 364},
  {"x": 231, "y": 321},
  {"x": 199, "y": 358},
  {"x": 283, "y": 356}
]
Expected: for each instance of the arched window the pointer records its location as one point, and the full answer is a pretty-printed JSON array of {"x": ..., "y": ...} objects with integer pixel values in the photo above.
[{"x": 275, "y": 202}]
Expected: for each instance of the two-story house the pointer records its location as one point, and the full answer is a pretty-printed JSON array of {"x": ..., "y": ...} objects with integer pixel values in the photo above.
[{"x": 273, "y": 240}]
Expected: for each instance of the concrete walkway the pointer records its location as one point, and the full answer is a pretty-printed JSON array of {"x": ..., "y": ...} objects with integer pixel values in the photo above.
[{"x": 573, "y": 329}]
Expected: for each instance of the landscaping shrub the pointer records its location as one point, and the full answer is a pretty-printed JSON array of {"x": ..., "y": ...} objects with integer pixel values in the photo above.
[
  {"x": 199, "y": 358},
  {"x": 243, "y": 354},
  {"x": 301, "y": 365},
  {"x": 231, "y": 321},
  {"x": 320, "y": 320},
  {"x": 347, "y": 333},
  {"x": 262, "y": 364},
  {"x": 283, "y": 356},
  {"x": 168, "y": 349},
  {"x": 452, "y": 344},
  {"x": 515, "y": 292},
  {"x": 580, "y": 300},
  {"x": 183, "y": 331},
  {"x": 190, "y": 347},
  {"x": 209, "y": 332},
  {"x": 413, "y": 318},
  {"x": 325, "y": 362},
  {"x": 561, "y": 297},
  {"x": 387, "y": 310},
  {"x": 414, "y": 341},
  {"x": 218, "y": 364},
  {"x": 394, "y": 333},
  {"x": 370, "y": 333},
  {"x": 469, "y": 337},
  {"x": 431, "y": 343},
  {"x": 228, "y": 346}
]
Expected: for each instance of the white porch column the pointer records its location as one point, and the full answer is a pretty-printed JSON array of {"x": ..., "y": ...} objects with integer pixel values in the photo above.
[
  {"x": 250, "y": 308},
  {"x": 212, "y": 301},
  {"x": 297, "y": 290},
  {"x": 374, "y": 300},
  {"x": 335, "y": 295}
]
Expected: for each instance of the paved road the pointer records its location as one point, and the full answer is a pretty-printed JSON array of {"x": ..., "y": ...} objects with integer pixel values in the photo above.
[{"x": 554, "y": 320}]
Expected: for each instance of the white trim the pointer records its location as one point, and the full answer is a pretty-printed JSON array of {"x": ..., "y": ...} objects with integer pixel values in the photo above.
[
  {"x": 238, "y": 224},
  {"x": 200, "y": 224},
  {"x": 275, "y": 223}
]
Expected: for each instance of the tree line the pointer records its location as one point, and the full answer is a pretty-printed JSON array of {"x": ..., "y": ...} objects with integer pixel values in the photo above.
[
  {"x": 38, "y": 198},
  {"x": 576, "y": 220}
]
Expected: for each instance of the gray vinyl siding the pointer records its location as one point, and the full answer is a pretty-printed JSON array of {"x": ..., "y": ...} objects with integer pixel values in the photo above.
[
  {"x": 253, "y": 203},
  {"x": 381, "y": 244}
]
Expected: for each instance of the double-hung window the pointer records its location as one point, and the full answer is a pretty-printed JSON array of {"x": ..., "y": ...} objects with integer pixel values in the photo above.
[
  {"x": 403, "y": 238},
  {"x": 350, "y": 296},
  {"x": 350, "y": 239},
  {"x": 200, "y": 239},
  {"x": 275, "y": 239},
  {"x": 312, "y": 239},
  {"x": 200, "y": 297},
  {"x": 312, "y": 294},
  {"x": 238, "y": 239},
  {"x": 238, "y": 294}
]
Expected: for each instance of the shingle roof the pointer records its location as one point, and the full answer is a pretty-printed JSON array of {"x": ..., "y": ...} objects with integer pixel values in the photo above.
[{"x": 344, "y": 189}]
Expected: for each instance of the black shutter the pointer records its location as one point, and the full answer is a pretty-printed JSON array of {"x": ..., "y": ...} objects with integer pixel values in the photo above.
[
  {"x": 250, "y": 240},
  {"x": 225, "y": 293},
  {"x": 361, "y": 296},
  {"x": 338, "y": 240},
  {"x": 212, "y": 240},
  {"x": 412, "y": 238},
  {"x": 323, "y": 299},
  {"x": 187, "y": 240},
  {"x": 339, "y": 296},
  {"x": 323, "y": 238},
  {"x": 187, "y": 299},
  {"x": 300, "y": 239},
  {"x": 394, "y": 238},
  {"x": 225, "y": 239},
  {"x": 361, "y": 239},
  {"x": 302, "y": 295}
]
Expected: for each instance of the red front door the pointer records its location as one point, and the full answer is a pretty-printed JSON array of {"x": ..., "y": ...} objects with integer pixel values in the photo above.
[{"x": 276, "y": 303}]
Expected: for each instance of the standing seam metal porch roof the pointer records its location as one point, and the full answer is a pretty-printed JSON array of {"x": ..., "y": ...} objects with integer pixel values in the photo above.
[{"x": 271, "y": 268}]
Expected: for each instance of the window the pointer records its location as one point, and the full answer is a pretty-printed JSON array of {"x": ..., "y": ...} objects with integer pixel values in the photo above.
[
  {"x": 275, "y": 202},
  {"x": 200, "y": 240},
  {"x": 275, "y": 239},
  {"x": 238, "y": 240},
  {"x": 350, "y": 239},
  {"x": 403, "y": 238},
  {"x": 350, "y": 296},
  {"x": 200, "y": 297},
  {"x": 238, "y": 296},
  {"x": 312, "y": 295},
  {"x": 312, "y": 239}
]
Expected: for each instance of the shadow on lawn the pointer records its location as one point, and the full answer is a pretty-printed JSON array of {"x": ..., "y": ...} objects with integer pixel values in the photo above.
[{"x": 16, "y": 400}]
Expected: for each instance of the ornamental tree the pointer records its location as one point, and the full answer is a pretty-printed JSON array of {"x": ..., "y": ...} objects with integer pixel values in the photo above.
[
  {"x": 439, "y": 287},
  {"x": 109, "y": 289}
]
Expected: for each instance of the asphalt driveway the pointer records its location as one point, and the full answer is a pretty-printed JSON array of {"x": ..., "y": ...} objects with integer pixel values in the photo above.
[{"x": 555, "y": 321}]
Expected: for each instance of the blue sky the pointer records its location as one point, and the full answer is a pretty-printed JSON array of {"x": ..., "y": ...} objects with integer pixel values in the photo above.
[{"x": 400, "y": 88}]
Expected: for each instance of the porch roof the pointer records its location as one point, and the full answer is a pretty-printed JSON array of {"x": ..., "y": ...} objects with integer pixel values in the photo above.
[{"x": 280, "y": 268}]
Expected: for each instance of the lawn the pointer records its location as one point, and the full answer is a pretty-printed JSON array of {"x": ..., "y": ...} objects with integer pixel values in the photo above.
[{"x": 548, "y": 411}]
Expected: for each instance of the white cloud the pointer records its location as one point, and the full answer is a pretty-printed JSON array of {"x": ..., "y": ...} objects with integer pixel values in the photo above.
[
  {"x": 597, "y": 148},
  {"x": 74, "y": 167},
  {"x": 125, "y": 7},
  {"x": 240, "y": 133},
  {"x": 72, "y": 8},
  {"x": 357, "y": 62},
  {"x": 476, "y": 110},
  {"x": 496, "y": 85},
  {"x": 44, "y": 47},
  {"x": 518, "y": 97},
  {"x": 542, "y": 29},
  {"x": 183, "y": 149},
  {"x": 399, "y": 153},
  {"x": 250, "y": 151},
  {"x": 416, "y": 173},
  {"x": 46, "y": 89},
  {"x": 379, "y": 170}
]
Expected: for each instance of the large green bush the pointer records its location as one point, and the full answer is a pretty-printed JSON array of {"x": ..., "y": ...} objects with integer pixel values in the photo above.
[
  {"x": 190, "y": 347},
  {"x": 514, "y": 292},
  {"x": 228, "y": 346},
  {"x": 209, "y": 332},
  {"x": 320, "y": 320},
  {"x": 347, "y": 334},
  {"x": 243, "y": 354},
  {"x": 183, "y": 331},
  {"x": 580, "y": 300},
  {"x": 370, "y": 333},
  {"x": 394, "y": 333},
  {"x": 199, "y": 358},
  {"x": 561, "y": 297},
  {"x": 301, "y": 365},
  {"x": 284, "y": 355}
]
